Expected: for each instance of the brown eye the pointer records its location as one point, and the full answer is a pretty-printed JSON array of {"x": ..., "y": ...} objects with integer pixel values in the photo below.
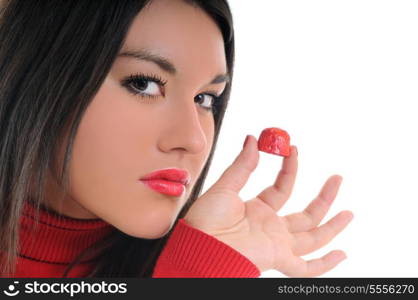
[
  {"x": 141, "y": 84},
  {"x": 144, "y": 85},
  {"x": 205, "y": 100}
]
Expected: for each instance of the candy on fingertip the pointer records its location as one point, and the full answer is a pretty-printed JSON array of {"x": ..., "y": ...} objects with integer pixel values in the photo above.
[{"x": 274, "y": 140}]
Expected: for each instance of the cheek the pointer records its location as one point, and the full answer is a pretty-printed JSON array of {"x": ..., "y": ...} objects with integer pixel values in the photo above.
[
  {"x": 106, "y": 159},
  {"x": 209, "y": 129},
  {"x": 106, "y": 148}
]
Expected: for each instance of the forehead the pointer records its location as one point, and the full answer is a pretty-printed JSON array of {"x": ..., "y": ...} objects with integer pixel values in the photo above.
[{"x": 183, "y": 33}]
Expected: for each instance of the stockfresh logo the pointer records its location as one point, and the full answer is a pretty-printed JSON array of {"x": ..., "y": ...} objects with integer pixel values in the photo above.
[{"x": 12, "y": 289}]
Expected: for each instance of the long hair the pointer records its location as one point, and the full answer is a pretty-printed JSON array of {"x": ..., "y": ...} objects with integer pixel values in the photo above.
[{"x": 54, "y": 56}]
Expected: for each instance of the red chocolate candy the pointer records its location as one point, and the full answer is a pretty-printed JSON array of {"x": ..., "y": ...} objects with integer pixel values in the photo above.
[{"x": 275, "y": 141}]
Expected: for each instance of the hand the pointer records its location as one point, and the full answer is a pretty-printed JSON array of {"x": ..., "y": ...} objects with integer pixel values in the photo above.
[{"x": 253, "y": 227}]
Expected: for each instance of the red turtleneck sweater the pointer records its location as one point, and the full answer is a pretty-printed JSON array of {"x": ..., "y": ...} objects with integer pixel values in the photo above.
[{"x": 189, "y": 252}]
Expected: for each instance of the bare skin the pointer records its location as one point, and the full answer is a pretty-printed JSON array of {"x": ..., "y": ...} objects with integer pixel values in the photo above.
[
  {"x": 253, "y": 227},
  {"x": 123, "y": 137}
]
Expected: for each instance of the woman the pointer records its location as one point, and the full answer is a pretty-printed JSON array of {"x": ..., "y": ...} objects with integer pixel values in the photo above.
[{"x": 96, "y": 96}]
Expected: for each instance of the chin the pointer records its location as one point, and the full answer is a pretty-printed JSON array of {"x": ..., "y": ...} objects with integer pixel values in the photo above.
[{"x": 147, "y": 228}]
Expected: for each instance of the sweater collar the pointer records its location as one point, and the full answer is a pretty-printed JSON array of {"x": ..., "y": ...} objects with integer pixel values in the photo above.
[{"x": 56, "y": 238}]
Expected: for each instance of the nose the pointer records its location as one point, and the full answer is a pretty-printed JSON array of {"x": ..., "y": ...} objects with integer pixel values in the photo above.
[{"x": 183, "y": 129}]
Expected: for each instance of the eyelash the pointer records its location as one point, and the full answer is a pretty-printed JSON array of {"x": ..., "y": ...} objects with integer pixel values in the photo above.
[{"x": 135, "y": 78}]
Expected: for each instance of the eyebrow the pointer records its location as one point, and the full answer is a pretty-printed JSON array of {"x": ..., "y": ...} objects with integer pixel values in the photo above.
[{"x": 165, "y": 64}]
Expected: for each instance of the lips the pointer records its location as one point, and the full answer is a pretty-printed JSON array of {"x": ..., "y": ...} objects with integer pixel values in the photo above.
[{"x": 167, "y": 181}]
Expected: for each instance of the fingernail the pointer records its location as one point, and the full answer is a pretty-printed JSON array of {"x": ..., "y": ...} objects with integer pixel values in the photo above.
[{"x": 245, "y": 142}]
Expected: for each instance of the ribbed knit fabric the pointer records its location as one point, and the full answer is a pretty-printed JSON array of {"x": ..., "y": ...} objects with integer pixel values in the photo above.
[
  {"x": 49, "y": 245},
  {"x": 192, "y": 253},
  {"x": 46, "y": 249}
]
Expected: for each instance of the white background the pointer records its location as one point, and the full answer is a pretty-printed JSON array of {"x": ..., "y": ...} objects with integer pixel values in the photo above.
[{"x": 341, "y": 77}]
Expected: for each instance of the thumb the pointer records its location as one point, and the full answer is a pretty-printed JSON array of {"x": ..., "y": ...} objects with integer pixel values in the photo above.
[{"x": 236, "y": 175}]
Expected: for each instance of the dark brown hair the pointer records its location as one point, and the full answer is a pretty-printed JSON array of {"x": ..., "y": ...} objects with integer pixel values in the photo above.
[{"x": 54, "y": 56}]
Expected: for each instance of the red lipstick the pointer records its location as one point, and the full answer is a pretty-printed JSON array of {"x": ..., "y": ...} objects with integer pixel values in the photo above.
[{"x": 167, "y": 181}]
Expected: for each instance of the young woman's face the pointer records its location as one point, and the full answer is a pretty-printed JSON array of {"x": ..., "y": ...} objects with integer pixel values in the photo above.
[{"x": 123, "y": 137}]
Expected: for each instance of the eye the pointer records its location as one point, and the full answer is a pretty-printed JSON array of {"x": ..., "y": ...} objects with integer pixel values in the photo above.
[
  {"x": 151, "y": 86},
  {"x": 144, "y": 85},
  {"x": 207, "y": 101}
]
